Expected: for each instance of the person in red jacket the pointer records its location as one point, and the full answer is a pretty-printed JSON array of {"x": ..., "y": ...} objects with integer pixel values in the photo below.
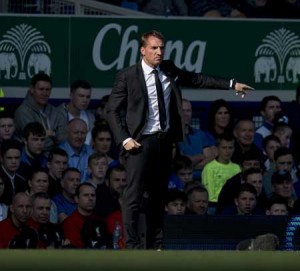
[
  {"x": 14, "y": 230},
  {"x": 83, "y": 229},
  {"x": 50, "y": 234}
]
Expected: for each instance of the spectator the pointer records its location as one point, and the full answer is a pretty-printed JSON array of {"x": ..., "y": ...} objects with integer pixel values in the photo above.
[
  {"x": 14, "y": 230},
  {"x": 244, "y": 134},
  {"x": 245, "y": 201},
  {"x": 39, "y": 183},
  {"x": 32, "y": 156},
  {"x": 98, "y": 167},
  {"x": 163, "y": 7},
  {"x": 230, "y": 188},
  {"x": 35, "y": 107},
  {"x": 65, "y": 202},
  {"x": 77, "y": 107},
  {"x": 220, "y": 120},
  {"x": 3, "y": 206},
  {"x": 213, "y": 8},
  {"x": 82, "y": 228},
  {"x": 270, "y": 106},
  {"x": 271, "y": 143},
  {"x": 277, "y": 205},
  {"x": 293, "y": 113},
  {"x": 102, "y": 141},
  {"x": 283, "y": 161},
  {"x": 251, "y": 176},
  {"x": 284, "y": 132},
  {"x": 10, "y": 162},
  {"x": 182, "y": 173},
  {"x": 57, "y": 163},
  {"x": 109, "y": 196},
  {"x": 50, "y": 235},
  {"x": 197, "y": 200},
  {"x": 283, "y": 186},
  {"x": 216, "y": 173},
  {"x": 195, "y": 144},
  {"x": 78, "y": 152},
  {"x": 175, "y": 202},
  {"x": 7, "y": 125}
]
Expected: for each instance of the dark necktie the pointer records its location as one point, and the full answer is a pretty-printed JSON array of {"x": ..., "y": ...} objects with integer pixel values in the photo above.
[{"x": 161, "y": 101}]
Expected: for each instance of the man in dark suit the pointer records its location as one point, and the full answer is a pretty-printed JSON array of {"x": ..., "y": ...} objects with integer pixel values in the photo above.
[{"x": 152, "y": 123}]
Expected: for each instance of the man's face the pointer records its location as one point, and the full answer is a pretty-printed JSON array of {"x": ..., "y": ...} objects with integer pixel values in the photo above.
[
  {"x": 245, "y": 202},
  {"x": 285, "y": 162},
  {"x": 198, "y": 202},
  {"x": 77, "y": 131},
  {"x": 86, "y": 199},
  {"x": 41, "y": 210},
  {"x": 39, "y": 182},
  {"x": 102, "y": 142},
  {"x": 187, "y": 112},
  {"x": 256, "y": 179},
  {"x": 35, "y": 144},
  {"x": 98, "y": 167},
  {"x": 250, "y": 164},
  {"x": 80, "y": 98},
  {"x": 11, "y": 160},
  {"x": 278, "y": 209},
  {"x": 117, "y": 181},
  {"x": 21, "y": 208},
  {"x": 7, "y": 128},
  {"x": 70, "y": 182},
  {"x": 58, "y": 164},
  {"x": 153, "y": 52},
  {"x": 271, "y": 147},
  {"x": 41, "y": 92},
  {"x": 283, "y": 189},
  {"x": 176, "y": 207},
  {"x": 272, "y": 108},
  {"x": 244, "y": 133}
]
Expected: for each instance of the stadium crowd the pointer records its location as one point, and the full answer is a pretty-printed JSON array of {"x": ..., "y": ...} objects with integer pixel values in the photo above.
[
  {"x": 62, "y": 176},
  {"x": 279, "y": 9}
]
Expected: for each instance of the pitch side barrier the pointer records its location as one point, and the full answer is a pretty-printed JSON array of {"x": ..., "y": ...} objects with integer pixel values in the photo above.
[{"x": 218, "y": 232}]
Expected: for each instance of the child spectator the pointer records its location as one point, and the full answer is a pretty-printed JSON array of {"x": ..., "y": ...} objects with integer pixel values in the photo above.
[
  {"x": 175, "y": 202},
  {"x": 182, "y": 173},
  {"x": 217, "y": 172},
  {"x": 97, "y": 163},
  {"x": 284, "y": 132},
  {"x": 277, "y": 205}
]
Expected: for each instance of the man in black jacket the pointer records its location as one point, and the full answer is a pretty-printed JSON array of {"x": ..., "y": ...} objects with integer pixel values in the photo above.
[{"x": 149, "y": 94}]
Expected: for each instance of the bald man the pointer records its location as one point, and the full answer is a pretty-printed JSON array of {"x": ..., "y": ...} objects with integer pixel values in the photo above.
[{"x": 14, "y": 231}]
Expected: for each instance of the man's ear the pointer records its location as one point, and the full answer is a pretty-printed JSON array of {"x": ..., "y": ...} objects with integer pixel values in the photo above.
[{"x": 76, "y": 199}]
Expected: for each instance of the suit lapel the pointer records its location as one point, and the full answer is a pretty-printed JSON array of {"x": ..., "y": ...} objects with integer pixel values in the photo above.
[{"x": 141, "y": 81}]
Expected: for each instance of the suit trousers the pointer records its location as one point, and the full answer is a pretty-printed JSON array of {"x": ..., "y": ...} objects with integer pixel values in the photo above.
[{"x": 147, "y": 172}]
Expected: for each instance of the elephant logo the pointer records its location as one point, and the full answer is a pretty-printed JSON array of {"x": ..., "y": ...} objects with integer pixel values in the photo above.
[
  {"x": 265, "y": 66},
  {"x": 38, "y": 63},
  {"x": 8, "y": 63},
  {"x": 21, "y": 43},
  {"x": 293, "y": 68},
  {"x": 277, "y": 48}
]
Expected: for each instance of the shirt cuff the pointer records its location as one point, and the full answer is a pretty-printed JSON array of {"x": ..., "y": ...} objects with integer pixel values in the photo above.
[{"x": 126, "y": 140}]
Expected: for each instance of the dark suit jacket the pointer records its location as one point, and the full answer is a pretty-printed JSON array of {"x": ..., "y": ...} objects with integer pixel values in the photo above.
[{"x": 129, "y": 93}]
